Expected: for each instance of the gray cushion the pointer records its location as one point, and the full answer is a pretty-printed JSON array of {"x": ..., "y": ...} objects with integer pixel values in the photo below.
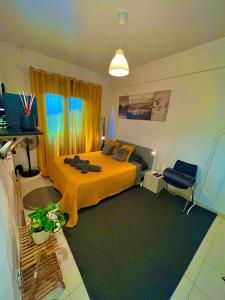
[
  {"x": 108, "y": 148},
  {"x": 85, "y": 167},
  {"x": 74, "y": 162},
  {"x": 135, "y": 157},
  {"x": 94, "y": 168},
  {"x": 120, "y": 155}
]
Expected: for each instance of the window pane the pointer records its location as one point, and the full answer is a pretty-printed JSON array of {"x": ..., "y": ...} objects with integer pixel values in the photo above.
[
  {"x": 75, "y": 119},
  {"x": 54, "y": 104},
  {"x": 75, "y": 104},
  {"x": 75, "y": 108},
  {"x": 55, "y": 122}
]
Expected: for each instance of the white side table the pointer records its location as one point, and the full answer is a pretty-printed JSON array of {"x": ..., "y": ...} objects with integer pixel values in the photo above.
[{"x": 153, "y": 183}]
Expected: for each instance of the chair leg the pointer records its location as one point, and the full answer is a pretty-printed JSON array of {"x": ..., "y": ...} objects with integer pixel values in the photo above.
[
  {"x": 193, "y": 203},
  {"x": 166, "y": 186},
  {"x": 185, "y": 205},
  {"x": 191, "y": 198},
  {"x": 190, "y": 208}
]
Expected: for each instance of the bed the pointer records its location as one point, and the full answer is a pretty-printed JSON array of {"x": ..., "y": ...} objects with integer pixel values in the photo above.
[{"x": 83, "y": 190}]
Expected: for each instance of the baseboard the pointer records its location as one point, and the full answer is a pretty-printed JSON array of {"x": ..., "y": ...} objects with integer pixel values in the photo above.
[{"x": 211, "y": 209}]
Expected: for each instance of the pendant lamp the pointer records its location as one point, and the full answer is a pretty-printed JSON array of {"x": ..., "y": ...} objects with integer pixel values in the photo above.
[{"x": 119, "y": 66}]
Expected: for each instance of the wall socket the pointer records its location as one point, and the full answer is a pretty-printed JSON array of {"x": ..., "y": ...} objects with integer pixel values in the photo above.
[{"x": 18, "y": 278}]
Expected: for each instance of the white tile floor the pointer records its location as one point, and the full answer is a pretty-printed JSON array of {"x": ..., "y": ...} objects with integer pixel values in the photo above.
[
  {"x": 75, "y": 288},
  {"x": 201, "y": 281},
  {"x": 203, "y": 278}
]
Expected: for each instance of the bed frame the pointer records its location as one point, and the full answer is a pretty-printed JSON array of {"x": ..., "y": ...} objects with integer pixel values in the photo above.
[{"x": 142, "y": 151}]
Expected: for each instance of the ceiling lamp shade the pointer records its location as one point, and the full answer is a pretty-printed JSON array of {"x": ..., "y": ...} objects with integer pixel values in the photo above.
[{"x": 119, "y": 66}]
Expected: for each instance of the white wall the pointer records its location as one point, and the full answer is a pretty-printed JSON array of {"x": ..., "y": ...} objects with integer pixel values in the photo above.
[
  {"x": 196, "y": 78},
  {"x": 196, "y": 111},
  {"x": 14, "y": 72},
  {"x": 8, "y": 234}
]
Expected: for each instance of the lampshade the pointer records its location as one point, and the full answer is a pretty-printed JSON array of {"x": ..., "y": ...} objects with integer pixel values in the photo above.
[{"x": 119, "y": 66}]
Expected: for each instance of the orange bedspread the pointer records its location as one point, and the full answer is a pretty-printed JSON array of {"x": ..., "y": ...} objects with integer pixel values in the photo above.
[{"x": 83, "y": 190}]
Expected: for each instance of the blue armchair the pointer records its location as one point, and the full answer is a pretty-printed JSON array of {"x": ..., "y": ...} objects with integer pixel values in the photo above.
[{"x": 182, "y": 176}]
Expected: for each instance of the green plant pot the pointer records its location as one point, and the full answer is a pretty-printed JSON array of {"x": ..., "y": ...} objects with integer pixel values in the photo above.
[{"x": 27, "y": 122}]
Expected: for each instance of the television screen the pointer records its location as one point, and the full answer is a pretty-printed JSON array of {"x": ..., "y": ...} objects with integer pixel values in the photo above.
[
  {"x": 14, "y": 109},
  {"x": 1, "y": 102}
]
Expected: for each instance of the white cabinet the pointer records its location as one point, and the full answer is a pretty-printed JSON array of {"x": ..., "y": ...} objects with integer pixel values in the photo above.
[{"x": 153, "y": 183}]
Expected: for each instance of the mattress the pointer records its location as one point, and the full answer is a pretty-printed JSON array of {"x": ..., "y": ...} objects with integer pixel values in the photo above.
[{"x": 83, "y": 190}]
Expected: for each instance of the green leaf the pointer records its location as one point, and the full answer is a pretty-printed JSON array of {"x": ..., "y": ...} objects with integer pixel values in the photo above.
[
  {"x": 40, "y": 219},
  {"x": 33, "y": 215}
]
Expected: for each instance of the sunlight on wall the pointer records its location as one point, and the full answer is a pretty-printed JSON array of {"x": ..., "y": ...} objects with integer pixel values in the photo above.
[{"x": 111, "y": 126}]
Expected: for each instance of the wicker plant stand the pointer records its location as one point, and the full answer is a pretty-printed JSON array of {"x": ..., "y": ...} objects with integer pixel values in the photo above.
[{"x": 40, "y": 270}]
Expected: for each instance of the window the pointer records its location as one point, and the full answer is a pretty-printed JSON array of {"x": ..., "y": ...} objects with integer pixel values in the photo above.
[
  {"x": 63, "y": 136},
  {"x": 55, "y": 120},
  {"x": 75, "y": 122}
]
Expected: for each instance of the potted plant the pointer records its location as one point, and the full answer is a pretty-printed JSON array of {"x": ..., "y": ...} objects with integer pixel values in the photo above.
[{"x": 44, "y": 221}]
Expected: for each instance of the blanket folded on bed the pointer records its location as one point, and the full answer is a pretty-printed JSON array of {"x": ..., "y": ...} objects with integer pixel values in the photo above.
[
  {"x": 76, "y": 160},
  {"x": 72, "y": 161},
  {"x": 92, "y": 168},
  {"x": 83, "y": 165},
  {"x": 67, "y": 160}
]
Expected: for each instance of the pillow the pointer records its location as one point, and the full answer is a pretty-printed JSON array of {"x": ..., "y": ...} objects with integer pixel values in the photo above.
[
  {"x": 108, "y": 148},
  {"x": 130, "y": 150},
  {"x": 120, "y": 155},
  {"x": 135, "y": 157},
  {"x": 143, "y": 164},
  {"x": 116, "y": 145}
]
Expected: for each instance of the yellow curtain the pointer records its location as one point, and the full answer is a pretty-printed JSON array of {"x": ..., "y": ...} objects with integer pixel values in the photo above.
[{"x": 87, "y": 137}]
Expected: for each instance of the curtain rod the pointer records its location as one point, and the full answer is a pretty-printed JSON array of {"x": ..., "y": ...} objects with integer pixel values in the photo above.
[
  {"x": 171, "y": 77},
  {"x": 63, "y": 76}
]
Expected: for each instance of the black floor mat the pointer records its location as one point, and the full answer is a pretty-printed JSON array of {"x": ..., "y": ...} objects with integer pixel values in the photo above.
[{"x": 136, "y": 246}]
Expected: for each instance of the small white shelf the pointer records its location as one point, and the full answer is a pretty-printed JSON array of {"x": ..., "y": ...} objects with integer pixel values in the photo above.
[{"x": 153, "y": 183}]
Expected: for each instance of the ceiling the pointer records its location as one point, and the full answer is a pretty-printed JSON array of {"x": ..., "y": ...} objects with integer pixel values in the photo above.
[{"x": 86, "y": 33}]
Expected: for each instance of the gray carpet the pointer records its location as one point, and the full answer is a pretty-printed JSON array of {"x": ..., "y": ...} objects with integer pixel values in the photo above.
[
  {"x": 136, "y": 246},
  {"x": 41, "y": 197}
]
